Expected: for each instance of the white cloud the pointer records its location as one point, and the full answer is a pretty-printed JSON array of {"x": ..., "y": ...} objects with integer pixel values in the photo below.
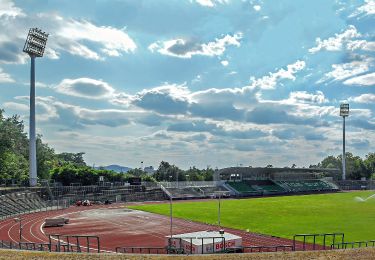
[
  {"x": 5, "y": 77},
  {"x": 337, "y": 42},
  {"x": 8, "y": 10},
  {"x": 257, "y": 7},
  {"x": 16, "y": 106},
  {"x": 270, "y": 81},
  {"x": 187, "y": 48},
  {"x": 77, "y": 37},
  {"x": 346, "y": 70},
  {"x": 305, "y": 97},
  {"x": 45, "y": 107},
  {"x": 364, "y": 80},
  {"x": 211, "y": 3},
  {"x": 367, "y": 9},
  {"x": 224, "y": 63},
  {"x": 114, "y": 40},
  {"x": 85, "y": 88},
  {"x": 364, "y": 98},
  {"x": 361, "y": 44}
]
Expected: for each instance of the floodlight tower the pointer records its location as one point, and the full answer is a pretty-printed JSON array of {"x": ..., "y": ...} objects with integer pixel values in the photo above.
[
  {"x": 344, "y": 112},
  {"x": 34, "y": 46}
]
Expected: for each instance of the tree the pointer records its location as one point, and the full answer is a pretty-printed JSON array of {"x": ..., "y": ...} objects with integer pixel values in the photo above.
[
  {"x": 46, "y": 159},
  {"x": 13, "y": 149},
  {"x": 73, "y": 158},
  {"x": 168, "y": 172},
  {"x": 370, "y": 164}
]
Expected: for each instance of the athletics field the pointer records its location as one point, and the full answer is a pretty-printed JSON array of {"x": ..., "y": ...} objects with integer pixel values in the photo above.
[{"x": 352, "y": 213}]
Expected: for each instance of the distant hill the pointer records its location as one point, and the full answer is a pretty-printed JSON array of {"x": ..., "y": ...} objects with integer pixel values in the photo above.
[{"x": 114, "y": 167}]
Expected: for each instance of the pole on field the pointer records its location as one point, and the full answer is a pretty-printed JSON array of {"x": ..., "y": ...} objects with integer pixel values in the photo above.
[
  {"x": 344, "y": 112},
  {"x": 34, "y": 46}
]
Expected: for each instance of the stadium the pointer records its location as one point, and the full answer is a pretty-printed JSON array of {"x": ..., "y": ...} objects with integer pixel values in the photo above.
[
  {"x": 236, "y": 213},
  {"x": 219, "y": 88}
]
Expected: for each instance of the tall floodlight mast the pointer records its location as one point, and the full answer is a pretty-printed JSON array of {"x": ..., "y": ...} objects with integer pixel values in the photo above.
[
  {"x": 344, "y": 112},
  {"x": 34, "y": 46}
]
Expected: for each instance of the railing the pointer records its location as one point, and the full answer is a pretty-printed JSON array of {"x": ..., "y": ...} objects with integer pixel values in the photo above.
[
  {"x": 182, "y": 184},
  {"x": 316, "y": 238},
  {"x": 356, "y": 244},
  {"x": 142, "y": 250},
  {"x": 75, "y": 243},
  {"x": 258, "y": 249}
]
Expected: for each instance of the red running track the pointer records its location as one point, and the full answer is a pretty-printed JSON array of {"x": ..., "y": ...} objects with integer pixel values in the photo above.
[{"x": 117, "y": 226}]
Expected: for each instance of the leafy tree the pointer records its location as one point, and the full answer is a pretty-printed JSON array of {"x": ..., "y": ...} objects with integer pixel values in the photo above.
[
  {"x": 370, "y": 164},
  {"x": 168, "y": 172},
  {"x": 46, "y": 158},
  {"x": 72, "y": 158}
]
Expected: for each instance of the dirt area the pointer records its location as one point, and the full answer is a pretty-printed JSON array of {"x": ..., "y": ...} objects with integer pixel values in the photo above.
[{"x": 349, "y": 254}]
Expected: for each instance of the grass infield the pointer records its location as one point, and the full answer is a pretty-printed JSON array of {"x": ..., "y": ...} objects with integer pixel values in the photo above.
[{"x": 284, "y": 216}]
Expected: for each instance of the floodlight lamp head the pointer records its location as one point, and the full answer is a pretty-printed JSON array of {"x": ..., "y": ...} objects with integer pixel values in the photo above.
[
  {"x": 344, "y": 110},
  {"x": 35, "y": 42}
]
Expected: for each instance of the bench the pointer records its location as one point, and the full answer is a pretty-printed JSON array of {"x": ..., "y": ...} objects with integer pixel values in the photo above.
[{"x": 55, "y": 222}]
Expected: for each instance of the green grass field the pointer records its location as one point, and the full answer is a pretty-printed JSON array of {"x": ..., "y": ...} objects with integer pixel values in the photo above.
[{"x": 284, "y": 216}]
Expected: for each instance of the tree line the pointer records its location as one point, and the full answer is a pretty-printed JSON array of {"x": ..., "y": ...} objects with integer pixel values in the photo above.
[{"x": 69, "y": 168}]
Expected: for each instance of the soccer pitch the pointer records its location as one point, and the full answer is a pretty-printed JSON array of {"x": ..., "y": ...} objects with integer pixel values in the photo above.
[{"x": 284, "y": 216}]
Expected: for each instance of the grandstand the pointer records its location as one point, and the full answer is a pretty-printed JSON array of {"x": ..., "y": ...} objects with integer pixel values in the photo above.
[
  {"x": 194, "y": 190},
  {"x": 14, "y": 203}
]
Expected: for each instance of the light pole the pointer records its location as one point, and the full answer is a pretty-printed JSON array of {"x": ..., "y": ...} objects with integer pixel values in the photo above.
[
  {"x": 344, "y": 112},
  {"x": 34, "y": 46},
  {"x": 171, "y": 216},
  {"x": 219, "y": 211},
  {"x": 19, "y": 220}
]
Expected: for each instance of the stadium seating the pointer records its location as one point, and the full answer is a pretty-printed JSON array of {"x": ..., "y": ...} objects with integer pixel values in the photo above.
[
  {"x": 266, "y": 186},
  {"x": 243, "y": 188},
  {"x": 20, "y": 202},
  {"x": 307, "y": 185}
]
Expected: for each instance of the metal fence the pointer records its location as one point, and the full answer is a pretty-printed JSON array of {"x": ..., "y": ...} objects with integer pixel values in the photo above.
[
  {"x": 356, "y": 244},
  {"x": 316, "y": 241}
]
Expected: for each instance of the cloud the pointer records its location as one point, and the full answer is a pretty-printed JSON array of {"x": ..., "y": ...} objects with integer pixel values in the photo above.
[
  {"x": 181, "y": 48},
  {"x": 364, "y": 98},
  {"x": 11, "y": 53},
  {"x": 45, "y": 108},
  {"x": 347, "y": 70},
  {"x": 114, "y": 41},
  {"x": 270, "y": 81},
  {"x": 285, "y": 134},
  {"x": 305, "y": 97},
  {"x": 210, "y": 3},
  {"x": 5, "y": 77},
  {"x": 267, "y": 114},
  {"x": 359, "y": 144},
  {"x": 196, "y": 126},
  {"x": 216, "y": 130},
  {"x": 367, "y": 9},
  {"x": 8, "y": 10},
  {"x": 314, "y": 136},
  {"x": 360, "y": 123},
  {"x": 337, "y": 42},
  {"x": 363, "y": 80},
  {"x": 167, "y": 99},
  {"x": 361, "y": 44},
  {"x": 257, "y": 8},
  {"x": 77, "y": 37},
  {"x": 224, "y": 63},
  {"x": 16, "y": 106},
  {"x": 85, "y": 88}
]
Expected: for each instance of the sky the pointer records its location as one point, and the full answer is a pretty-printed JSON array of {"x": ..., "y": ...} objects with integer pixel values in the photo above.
[{"x": 215, "y": 83}]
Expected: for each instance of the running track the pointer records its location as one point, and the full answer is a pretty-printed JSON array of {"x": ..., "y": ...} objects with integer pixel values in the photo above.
[{"x": 118, "y": 227}]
